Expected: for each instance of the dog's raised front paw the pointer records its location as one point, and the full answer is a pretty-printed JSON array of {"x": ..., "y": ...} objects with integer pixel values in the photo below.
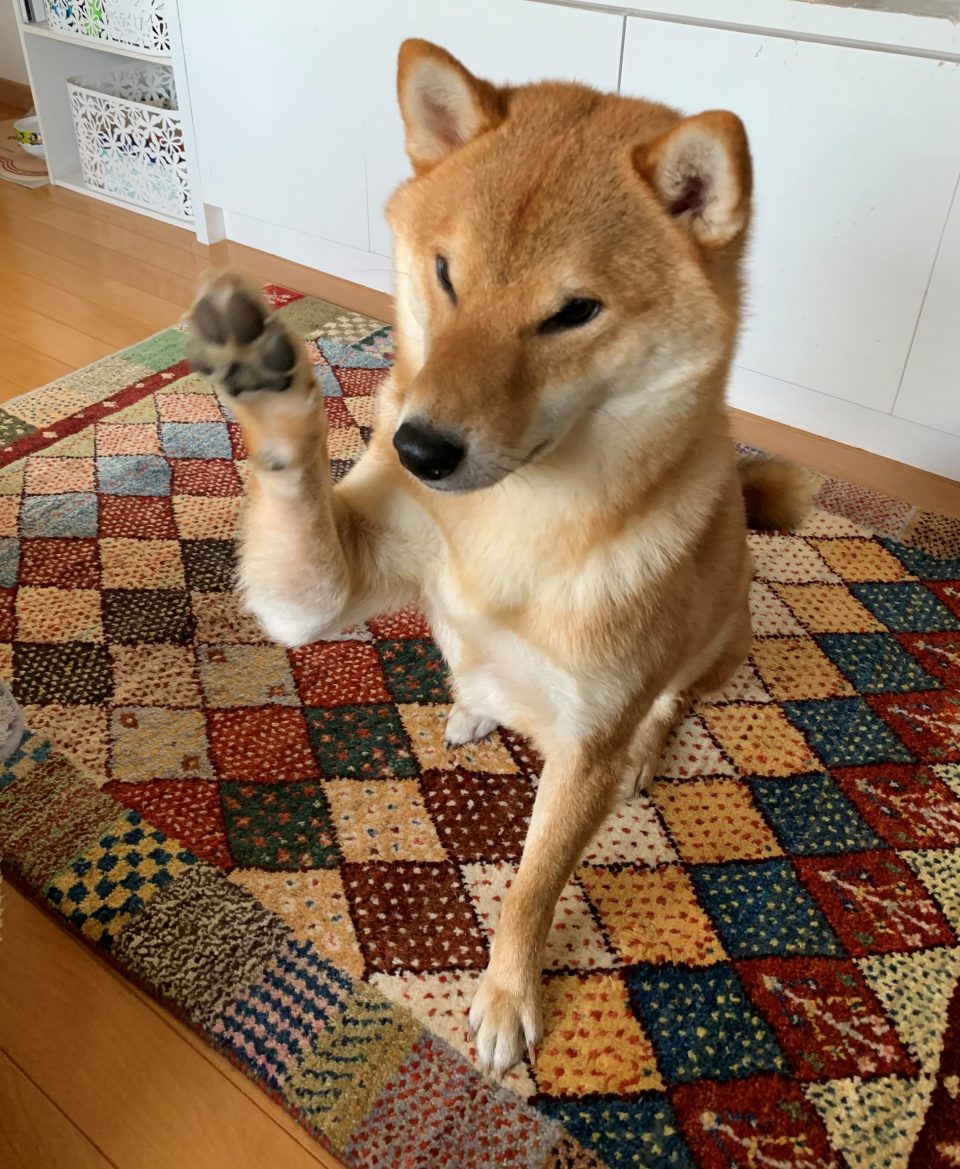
[{"x": 236, "y": 342}]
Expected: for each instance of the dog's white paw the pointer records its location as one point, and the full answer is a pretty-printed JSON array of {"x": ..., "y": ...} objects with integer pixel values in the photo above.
[
  {"x": 505, "y": 1024},
  {"x": 465, "y": 727}
]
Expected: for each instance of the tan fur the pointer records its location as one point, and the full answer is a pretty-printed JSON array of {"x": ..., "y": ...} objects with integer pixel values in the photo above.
[
  {"x": 592, "y": 576},
  {"x": 776, "y": 493}
]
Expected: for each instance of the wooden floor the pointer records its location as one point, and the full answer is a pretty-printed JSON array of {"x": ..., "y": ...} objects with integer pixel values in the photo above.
[{"x": 92, "y": 1073}]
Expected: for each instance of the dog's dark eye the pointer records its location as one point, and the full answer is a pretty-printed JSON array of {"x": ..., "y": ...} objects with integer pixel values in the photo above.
[
  {"x": 443, "y": 276},
  {"x": 574, "y": 313}
]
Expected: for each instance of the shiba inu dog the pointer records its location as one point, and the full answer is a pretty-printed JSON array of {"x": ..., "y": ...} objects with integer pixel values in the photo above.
[{"x": 551, "y": 476}]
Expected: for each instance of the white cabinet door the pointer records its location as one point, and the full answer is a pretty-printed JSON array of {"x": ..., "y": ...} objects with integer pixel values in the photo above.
[
  {"x": 501, "y": 40},
  {"x": 930, "y": 391},
  {"x": 277, "y": 109},
  {"x": 856, "y": 155}
]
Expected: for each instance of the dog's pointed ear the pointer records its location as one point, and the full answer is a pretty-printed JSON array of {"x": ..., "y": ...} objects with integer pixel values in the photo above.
[
  {"x": 443, "y": 105},
  {"x": 700, "y": 170}
]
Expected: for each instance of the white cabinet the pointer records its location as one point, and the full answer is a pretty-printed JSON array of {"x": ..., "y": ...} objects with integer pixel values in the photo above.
[
  {"x": 930, "y": 391},
  {"x": 298, "y": 132},
  {"x": 850, "y": 327},
  {"x": 277, "y": 96},
  {"x": 506, "y": 41},
  {"x": 856, "y": 157}
]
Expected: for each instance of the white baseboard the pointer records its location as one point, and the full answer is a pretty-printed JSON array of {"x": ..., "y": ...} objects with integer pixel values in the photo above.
[
  {"x": 312, "y": 251},
  {"x": 847, "y": 422}
]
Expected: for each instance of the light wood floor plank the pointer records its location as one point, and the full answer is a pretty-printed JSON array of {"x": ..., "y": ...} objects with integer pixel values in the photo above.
[
  {"x": 153, "y": 311},
  {"x": 120, "y": 1071},
  {"x": 52, "y": 338},
  {"x": 128, "y": 268},
  {"x": 100, "y": 233},
  {"x": 95, "y": 320},
  {"x": 34, "y": 1133},
  {"x": 93, "y": 209},
  {"x": 24, "y": 369}
]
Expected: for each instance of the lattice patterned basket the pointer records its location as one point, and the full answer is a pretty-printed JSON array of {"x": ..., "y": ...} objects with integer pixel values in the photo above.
[
  {"x": 138, "y": 24},
  {"x": 130, "y": 137}
]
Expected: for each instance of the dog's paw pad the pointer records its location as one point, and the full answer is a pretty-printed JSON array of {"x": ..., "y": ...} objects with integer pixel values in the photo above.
[
  {"x": 235, "y": 342},
  {"x": 207, "y": 322},
  {"x": 244, "y": 317}
]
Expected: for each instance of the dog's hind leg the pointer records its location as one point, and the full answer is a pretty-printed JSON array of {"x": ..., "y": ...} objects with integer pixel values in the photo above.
[
  {"x": 701, "y": 676},
  {"x": 312, "y": 559},
  {"x": 646, "y": 748}
]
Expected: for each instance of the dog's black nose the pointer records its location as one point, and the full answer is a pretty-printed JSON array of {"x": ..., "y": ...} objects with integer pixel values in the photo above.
[{"x": 426, "y": 452}]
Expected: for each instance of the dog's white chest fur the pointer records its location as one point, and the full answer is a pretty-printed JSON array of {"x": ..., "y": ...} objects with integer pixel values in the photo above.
[{"x": 502, "y": 677}]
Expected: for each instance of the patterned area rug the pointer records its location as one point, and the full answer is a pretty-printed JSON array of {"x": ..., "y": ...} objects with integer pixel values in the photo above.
[{"x": 752, "y": 968}]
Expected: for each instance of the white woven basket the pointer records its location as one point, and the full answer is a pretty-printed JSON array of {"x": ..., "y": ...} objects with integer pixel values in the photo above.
[
  {"x": 130, "y": 138},
  {"x": 139, "y": 24}
]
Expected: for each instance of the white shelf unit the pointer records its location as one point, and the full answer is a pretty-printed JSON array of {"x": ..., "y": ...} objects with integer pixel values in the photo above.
[
  {"x": 51, "y": 57},
  {"x": 42, "y": 29}
]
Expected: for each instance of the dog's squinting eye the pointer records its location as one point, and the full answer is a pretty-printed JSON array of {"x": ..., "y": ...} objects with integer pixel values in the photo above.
[
  {"x": 443, "y": 277},
  {"x": 574, "y": 313}
]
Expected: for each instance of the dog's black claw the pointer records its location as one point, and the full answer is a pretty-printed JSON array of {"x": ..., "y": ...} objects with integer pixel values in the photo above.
[
  {"x": 207, "y": 322},
  {"x": 245, "y": 317}
]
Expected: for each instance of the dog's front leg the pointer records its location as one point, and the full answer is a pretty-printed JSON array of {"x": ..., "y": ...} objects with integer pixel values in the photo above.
[
  {"x": 312, "y": 559},
  {"x": 577, "y": 789}
]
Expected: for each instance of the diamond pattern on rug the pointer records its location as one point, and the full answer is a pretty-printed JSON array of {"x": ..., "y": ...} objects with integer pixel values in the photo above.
[
  {"x": 826, "y": 1018},
  {"x": 629, "y": 1130},
  {"x": 382, "y": 820},
  {"x": 810, "y": 814},
  {"x": 762, "y": 908},
  {"x": 909, "y": 807},
  {"x": 413, "y": 916},
  {"x": 701, "y": 1022},
  {"x": 762, "y": 1120},
  {"x": 652, "y": 915},
  {"x": 690, "y": 750},
  {"x": 596, "y": 1044},
  {"x": 870, "y": 1123},
  {"x": 874, "y": 902},
  {"x": 279, "y": 826},
  {"x": 714, "y": 820},
  {"x": 314, "y": 907},
  {"x": 478, "y": 817},
  {"x": 631, "y": 834},
  {"x": 752, "y": 964}
]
